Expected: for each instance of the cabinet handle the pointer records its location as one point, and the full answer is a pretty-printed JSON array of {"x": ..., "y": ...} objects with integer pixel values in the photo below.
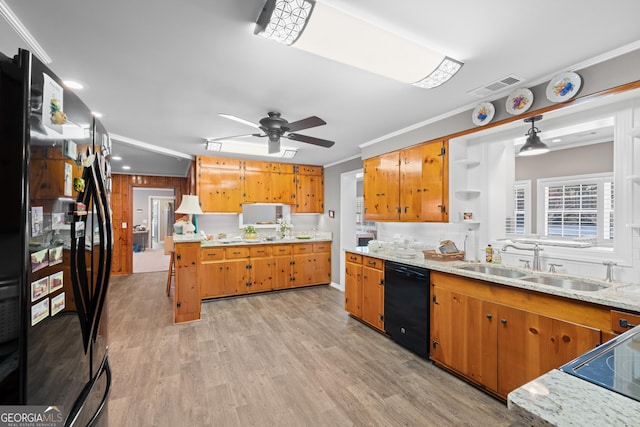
[
  {"x": 434, "y": 343},
  {"x": 503, "y": 321},
  {"x": 489, "y": 316},
  {"x": 624, "y": 323},
  {"x": 435, "y": 301}
]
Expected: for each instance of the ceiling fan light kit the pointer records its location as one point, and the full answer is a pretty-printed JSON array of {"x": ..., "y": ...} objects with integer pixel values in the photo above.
[{"x": 331, "y": 33}]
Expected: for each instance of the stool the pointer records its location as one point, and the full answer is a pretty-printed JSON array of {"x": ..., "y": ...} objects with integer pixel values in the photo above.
[{"x": 171, "y": 272}]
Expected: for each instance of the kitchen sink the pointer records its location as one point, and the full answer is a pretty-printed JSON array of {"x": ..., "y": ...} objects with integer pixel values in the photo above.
[
  {"x": 496, "y": 271},
  {"x": 560, "y": 282}
]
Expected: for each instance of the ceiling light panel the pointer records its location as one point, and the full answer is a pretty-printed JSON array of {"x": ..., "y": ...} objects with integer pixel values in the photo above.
[{"x": 331, "y": 33}]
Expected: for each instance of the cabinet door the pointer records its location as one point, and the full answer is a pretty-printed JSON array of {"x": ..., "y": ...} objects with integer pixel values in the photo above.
[
  {"x": 353, "y": 288},
  {"x": 212, "y": 279},
  {"x": 283, "y": 272},
  {"x": 283, "y": 187},
  {"x": 382, "y": 187},
  {"x": 219, "y": 190},
  {"x": 373, "y": 297},
  {"x": 236, "y": 277},
  {"x": 435, "y": 179},
  {"x": 309, "y": 194},
  {"x": 531, "y": 344},
  {"x": 303, "y": 269},
  {"x": 411, "y": 183},
  {"x": 322, "y": 267},
  {"x": 187, "y": 294},
  {"x": 261, "y": 274},
  {"x": 256, "y": 186}
]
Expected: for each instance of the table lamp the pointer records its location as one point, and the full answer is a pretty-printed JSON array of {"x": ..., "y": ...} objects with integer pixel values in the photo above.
[{"x": 190, "y": 206}]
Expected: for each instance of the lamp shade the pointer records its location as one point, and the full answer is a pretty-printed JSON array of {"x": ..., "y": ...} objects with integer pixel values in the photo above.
[
  {"x": 533, "y": 145},
  {"x": 189, "y": 205}
]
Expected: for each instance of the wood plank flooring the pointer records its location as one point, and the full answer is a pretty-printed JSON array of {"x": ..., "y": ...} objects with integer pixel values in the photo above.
[{"x": 290, "y": 358}]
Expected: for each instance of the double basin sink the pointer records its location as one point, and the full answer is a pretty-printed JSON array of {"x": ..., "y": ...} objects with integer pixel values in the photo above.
[{"x": 558, "y": 282}]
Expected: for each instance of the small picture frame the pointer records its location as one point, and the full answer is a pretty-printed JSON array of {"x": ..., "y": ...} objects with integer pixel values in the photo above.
[
  {"x": 57, "y": 221},
  {"x": 39, "y": 260},
  {"x": 56, "y": 281},
  {"x": 332, "y": 214},
  {"x": 57, "y": 304},
  {"x": 39, "y": 288},
  {"x": 39, "y": 311},
  {"x": 70, "y": 149},
  {"x": 55, "y": 255},
  {"x": 79, "y": 229},
  {"x": 37, "y": 221}
]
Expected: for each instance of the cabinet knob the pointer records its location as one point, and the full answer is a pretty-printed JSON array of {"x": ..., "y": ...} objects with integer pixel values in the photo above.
[
  {"x": 489, "y": 316},
  {"x": 624, "y": 323},
  {"x": 503, "y": 321}
]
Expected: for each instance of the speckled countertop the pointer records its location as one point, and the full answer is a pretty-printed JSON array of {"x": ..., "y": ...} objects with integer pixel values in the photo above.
[
  {"x": 184, "y": 238},
  {"x": 556, "y": 398},
  {"x": 560, "y": 399}
]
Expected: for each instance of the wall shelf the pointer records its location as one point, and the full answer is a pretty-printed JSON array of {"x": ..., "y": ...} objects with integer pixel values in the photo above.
[
  {"x": 467, "y": 194},
  {"x": 467, "y": 162},
  {"x": 635, "y": 132},
  {"x": 633, "y": 178}
]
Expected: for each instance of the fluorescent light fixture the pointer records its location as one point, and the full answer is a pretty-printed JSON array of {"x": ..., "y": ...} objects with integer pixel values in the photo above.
[
  {"x": 116, "y": 158},
  {"x": 126, "y": 167},
  {"x": 213, "y": 146},
  {"x": 22, "y": 31},
  {"x": 251, "y": 148},
  {"x": 326, "y": 31},
  {"x": 71, "y": 84}
]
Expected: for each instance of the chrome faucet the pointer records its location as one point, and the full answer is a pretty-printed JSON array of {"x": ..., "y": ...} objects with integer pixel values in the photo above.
[
  {"x": 536, "y": 253},
  {"x": 609, "y": 265}
]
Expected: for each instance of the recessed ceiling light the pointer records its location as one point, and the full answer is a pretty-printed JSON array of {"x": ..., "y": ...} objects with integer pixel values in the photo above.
[
  {"x": 117, "y": 158},
  {"x": 126, "y": 168},
  {"x": 73, "y": 84},
  {"x": 97, "y": 114},
  {"x": 556, "y": 140}
]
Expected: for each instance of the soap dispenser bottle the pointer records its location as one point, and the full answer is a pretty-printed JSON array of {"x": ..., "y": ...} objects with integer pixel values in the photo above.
[{"x": 489, "y": 254}]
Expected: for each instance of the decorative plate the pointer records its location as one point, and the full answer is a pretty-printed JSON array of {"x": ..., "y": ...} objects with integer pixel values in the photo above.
[
  {"x": 519, "y": 101},
  {"x": 483, "y": 113},
  {"x": 563, "y": 87}
]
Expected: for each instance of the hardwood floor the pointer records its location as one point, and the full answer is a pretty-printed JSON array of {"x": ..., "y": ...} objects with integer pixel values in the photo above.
[{"x": 290, "y": 358}]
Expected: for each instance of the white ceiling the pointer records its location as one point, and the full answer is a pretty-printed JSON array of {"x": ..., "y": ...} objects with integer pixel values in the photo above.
[{"x": 161, "y": 70}]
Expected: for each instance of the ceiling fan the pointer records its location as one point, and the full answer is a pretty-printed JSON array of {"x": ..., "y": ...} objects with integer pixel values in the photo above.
[{"x": 276, "y": 127}]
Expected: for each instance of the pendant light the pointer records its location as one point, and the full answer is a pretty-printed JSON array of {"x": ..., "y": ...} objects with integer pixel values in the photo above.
[{"x": 533, "y": 146}]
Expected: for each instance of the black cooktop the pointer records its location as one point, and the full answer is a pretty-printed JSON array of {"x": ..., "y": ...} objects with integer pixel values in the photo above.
[{"x": 614, "y": 365}]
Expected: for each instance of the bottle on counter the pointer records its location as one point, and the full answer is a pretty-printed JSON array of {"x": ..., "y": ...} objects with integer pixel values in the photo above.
[
  {"x": 489, "y": 254},
  {"x": 497, "y": 257}
]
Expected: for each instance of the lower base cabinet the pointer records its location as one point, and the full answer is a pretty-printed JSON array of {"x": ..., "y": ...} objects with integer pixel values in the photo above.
[
  {"x": 364, "y": 289},
  {"x": 187, "y": 293},
  {"x": 496, "y": 345},
  {"x": 238, "y": 270}
]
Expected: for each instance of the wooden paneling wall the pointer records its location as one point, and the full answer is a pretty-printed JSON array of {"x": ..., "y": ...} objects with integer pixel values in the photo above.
[{"x": 122, "y": 207}]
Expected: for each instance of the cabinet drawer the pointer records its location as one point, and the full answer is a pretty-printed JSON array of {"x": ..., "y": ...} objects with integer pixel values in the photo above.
[
  {"x": 234, "y": 253},
  {"x": 322, "y": 247},
  {"x": 281, "y": 250},
  {"x": 309, "y": 170},
  {"x": 303, "y": 249},
  {"x": 354, "y": 258},
  {"x": 259, "y": 251},
  {"x": 376, "y": 263},
  {"x": 621, "y": 322},
  {"x": 211, "y": 254}
]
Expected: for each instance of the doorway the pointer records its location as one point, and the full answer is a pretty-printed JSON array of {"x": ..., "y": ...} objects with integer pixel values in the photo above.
[
  {"x": 153, "y": 219},
  {"x": 162, "y": 218}
]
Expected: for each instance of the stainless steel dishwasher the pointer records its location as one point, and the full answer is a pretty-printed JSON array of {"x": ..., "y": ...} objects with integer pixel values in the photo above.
[{"x": 406, "y": 306}]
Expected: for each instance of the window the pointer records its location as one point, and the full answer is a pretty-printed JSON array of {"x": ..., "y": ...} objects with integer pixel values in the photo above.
[
  {"x": 520, "y": 221},
  {"x": 578, "y": 208}
]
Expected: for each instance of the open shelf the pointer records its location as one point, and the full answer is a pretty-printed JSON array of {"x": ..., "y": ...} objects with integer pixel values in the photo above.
[
  {"x": 467, "y": 162},
  {"x": 634, "y": 178},
  {"x": 467, "y": 194},
  {"x": 635, "y": 132}
]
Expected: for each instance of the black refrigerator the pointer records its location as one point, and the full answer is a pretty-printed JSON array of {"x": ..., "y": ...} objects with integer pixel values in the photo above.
[{"x": 55, "y": 247}]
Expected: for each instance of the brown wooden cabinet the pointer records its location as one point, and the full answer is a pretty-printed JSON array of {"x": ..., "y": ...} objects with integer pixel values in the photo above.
[
  {"x": 353, "y": 284},
  {"x": 218, "y": 184},
  {"x": 283, "y": 264},
  {"x": 311, "y": 264},
  {"x": 309, "y": 186},
  {"x": 411, "y": 184},
  {"x": 364, "y": 289},
  {"x": 500, "y": 337},
  {"x": 212, "y": 270},
  {"x": 373, "y": 292},
  {"x": 187, "y": 293}
]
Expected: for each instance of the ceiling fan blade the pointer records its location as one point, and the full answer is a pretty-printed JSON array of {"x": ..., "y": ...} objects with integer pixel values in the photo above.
[
  {"x": 246, "y": 135},
  {"x": 309, "y": 122},
  {"x": 274, "y": 146},
  {"x": 310, "y": 140},
  {"x": 239, "y": 120}
]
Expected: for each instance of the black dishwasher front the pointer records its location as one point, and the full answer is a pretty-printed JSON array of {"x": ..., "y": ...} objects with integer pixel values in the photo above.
[{"x": 406, "y": 306}]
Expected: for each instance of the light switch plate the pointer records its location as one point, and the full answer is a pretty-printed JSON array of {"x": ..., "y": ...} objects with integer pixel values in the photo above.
[{"x": 124, "y": 225}]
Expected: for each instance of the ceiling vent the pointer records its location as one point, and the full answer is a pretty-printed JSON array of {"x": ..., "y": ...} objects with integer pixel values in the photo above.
[{"x": 497, "y": 86}]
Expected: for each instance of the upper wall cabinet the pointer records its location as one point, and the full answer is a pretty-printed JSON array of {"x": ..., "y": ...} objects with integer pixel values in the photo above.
[
  {"x": 309, "y": 189},
  {"x": 224, "y": 184},
  {"x": 408, "y": 185}
]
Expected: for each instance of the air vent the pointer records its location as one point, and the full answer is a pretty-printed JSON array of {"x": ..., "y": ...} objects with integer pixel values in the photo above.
[{"x": 497, "y": 86}]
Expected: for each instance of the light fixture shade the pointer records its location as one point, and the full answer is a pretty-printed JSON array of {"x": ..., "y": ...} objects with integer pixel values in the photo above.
[
  {"x": 190, "y": 205},
  {"x": 533, "y": 145},
  {"x": 213, "y": 146},
  {"x": 341, "y": 37}
]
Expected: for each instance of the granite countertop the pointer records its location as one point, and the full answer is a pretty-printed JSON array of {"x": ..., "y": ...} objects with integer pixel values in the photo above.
[
  {"x": 320, "y": 237},
  {"x": 621, "y": 295},
  {"x": 559, "y": 399}
]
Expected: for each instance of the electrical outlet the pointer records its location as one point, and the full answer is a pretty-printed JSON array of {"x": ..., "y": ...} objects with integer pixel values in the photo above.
[{"x": 124, "y": 225}]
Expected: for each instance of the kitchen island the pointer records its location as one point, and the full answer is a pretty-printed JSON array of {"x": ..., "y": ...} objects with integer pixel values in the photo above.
[
  {"x": 210, "y": 269},
  {"x": 539, "y": 314}
]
